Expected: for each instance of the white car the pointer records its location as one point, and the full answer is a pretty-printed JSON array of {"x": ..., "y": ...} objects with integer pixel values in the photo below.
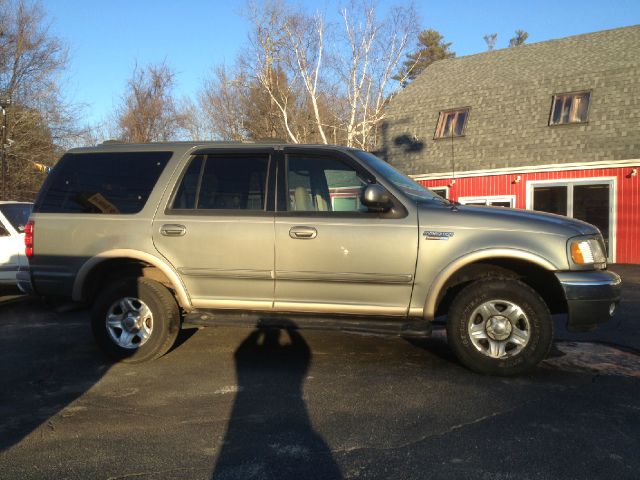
[{"x": 13, "y": 218}]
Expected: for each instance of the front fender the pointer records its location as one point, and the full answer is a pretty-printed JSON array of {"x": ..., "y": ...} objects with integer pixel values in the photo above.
[{"x": 440, "y": 280}]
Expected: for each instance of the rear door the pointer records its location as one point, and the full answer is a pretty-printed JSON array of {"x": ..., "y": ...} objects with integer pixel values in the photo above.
[
  {"x": 218, "y": 229},
  {"x": 333, "y": 255}
]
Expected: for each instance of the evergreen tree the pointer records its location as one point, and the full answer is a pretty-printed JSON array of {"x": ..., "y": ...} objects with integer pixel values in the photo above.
[
  {"x": 430, "y": 47},
  {"x": 519, "y": 39}
]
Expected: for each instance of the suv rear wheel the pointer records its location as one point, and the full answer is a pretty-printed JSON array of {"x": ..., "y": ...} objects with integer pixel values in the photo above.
[
  {"x": 135, "y": 320},
  {"x": 499, "y": 327}
]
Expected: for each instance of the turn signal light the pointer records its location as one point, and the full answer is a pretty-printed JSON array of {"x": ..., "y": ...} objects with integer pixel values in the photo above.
[
  {"x": 580, "y": 250},
  {"x": 29, "y": 230},
  {"x": 588, "y": 252}
]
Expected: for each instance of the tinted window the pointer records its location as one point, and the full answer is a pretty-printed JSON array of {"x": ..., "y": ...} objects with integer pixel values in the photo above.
[
  {"x": 17, "y": 214},
  {"x": 112, "y": 183},
  {"x": 550, "y": 199},
  {"x": 230, "y": 182},
  {"x": 3, "y": 231},
  {"x": 591, "y": 204}
]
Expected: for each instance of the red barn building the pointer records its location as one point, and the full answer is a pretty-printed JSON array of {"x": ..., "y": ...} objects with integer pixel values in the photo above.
[{"x": 552, "y": 126}]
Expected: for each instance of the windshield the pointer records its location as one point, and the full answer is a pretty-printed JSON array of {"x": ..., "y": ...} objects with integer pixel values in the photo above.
[
  {"x": 17, "y": 214},
  {"x": 410, "y": 187}
]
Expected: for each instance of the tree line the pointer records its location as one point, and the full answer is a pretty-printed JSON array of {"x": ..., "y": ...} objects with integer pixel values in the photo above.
[
  {"x": 39, "y": 122},
  {"x": 300, "y": 77}
]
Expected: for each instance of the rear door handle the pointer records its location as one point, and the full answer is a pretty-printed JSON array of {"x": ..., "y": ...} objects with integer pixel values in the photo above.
[
  {"x": 173, "y": 230},
  {"x": 303, "y": 233}
]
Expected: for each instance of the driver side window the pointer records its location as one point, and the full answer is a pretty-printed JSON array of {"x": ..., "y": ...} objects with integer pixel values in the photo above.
[{"x": 322, "y": 184}]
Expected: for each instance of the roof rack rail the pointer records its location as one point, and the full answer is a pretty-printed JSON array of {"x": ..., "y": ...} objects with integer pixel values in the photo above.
[{"x": 226, "y": 142}]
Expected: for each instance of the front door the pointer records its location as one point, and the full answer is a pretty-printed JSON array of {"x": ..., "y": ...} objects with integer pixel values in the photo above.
[
  {"x": 333, "y": 255},
  {"x": 218, "y": 231}
]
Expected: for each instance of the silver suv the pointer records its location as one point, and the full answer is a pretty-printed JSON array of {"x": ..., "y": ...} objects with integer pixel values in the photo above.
[{"x": 304, "y": 236}]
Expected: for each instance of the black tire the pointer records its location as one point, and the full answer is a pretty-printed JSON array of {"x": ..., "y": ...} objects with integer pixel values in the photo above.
[
  {"x": 164, "y": 321},
  {"x": 489, "y": 295}
]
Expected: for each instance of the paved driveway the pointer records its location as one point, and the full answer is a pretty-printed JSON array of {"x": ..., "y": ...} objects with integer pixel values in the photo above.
[{"x": 233, "y": 403}]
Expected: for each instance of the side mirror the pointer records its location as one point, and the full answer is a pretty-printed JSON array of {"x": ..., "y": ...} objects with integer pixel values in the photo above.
[{"x": 376, "y": 197}]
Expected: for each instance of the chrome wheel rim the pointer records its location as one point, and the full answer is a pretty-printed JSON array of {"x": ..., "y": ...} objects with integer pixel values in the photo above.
[
  {"x": 499, "y": 329},
  {"x": 129, "y": 322}
]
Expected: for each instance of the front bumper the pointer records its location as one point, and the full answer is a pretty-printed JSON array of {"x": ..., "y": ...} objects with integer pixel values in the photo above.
[{"x": 592, "y": 297}]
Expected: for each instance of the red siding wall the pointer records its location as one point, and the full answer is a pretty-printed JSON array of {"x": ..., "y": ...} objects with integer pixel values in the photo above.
[{"x": 627, "y": 198}]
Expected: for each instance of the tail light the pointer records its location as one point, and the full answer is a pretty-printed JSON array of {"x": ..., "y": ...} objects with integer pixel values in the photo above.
[{"x": 29, "y": 230}]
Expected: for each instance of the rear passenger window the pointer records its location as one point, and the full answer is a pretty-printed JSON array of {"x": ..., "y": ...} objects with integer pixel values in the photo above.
[
  {"x": 223, "y": 182},
  {"x": 114, "y": 183}
]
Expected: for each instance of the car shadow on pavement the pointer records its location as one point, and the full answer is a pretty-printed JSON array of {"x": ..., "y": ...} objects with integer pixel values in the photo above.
[
  {"x": 435, "y": 345},
  {"x": 185, "y": 334},
  {"x": 48, "y": 361},
  {"x": 269, "y": 434},
  {"x": 10, "y": 294}
]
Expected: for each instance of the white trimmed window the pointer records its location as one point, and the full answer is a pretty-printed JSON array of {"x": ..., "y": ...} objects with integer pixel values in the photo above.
[
  {"x": 442, "y": 191},
  {"x": 508, "y": 201}
]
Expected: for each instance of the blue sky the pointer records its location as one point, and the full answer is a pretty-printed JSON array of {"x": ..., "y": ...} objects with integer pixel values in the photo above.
[{"x": 107, "y": 37}]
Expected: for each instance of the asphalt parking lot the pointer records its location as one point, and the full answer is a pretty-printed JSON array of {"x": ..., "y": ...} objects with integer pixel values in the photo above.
[{"x": 233, "y": 403}]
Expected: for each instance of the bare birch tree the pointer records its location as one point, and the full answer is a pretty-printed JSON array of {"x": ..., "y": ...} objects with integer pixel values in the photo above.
[
  {"x": 268, "y": 54},
  {"x": 374, "y": 49},
  {"x": 305, "y": 43},
  {"x": 221, "y": 104},
  {"x": 312, "y": 80},
  {"x": 351, "y": 63}
]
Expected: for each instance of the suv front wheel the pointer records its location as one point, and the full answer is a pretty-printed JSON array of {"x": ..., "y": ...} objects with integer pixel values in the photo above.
[
  {"x": 135, "y": 320},
  {"x": 499, "y": 327}
]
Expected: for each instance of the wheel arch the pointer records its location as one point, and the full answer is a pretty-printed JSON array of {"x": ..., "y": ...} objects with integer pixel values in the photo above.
[
  {"x": 534, "y": 270},
  {"x": 127, "y": 260}
]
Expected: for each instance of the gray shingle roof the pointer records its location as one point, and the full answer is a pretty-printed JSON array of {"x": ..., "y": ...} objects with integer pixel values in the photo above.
[{"x": 510, "y": 92}]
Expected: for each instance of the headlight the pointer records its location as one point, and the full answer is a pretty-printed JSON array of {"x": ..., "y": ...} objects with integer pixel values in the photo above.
[{"x": 588, "y": 252}]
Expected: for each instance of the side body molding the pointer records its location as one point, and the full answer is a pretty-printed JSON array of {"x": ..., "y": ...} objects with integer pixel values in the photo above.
[
  {"x": 445, "y": 274},
  {"x": 181, "y": 293}
]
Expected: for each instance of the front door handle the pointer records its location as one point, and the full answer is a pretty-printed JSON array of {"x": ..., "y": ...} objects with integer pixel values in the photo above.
[
  {"x": 173, "y": 230},
  {"x": 303, "y": 233}
]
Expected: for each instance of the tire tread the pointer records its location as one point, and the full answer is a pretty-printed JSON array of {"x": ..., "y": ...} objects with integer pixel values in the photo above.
[{"x": 519, "y": 364}]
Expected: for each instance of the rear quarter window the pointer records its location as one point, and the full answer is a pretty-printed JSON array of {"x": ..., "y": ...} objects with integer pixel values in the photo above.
[{"x": 101, "y": 183}]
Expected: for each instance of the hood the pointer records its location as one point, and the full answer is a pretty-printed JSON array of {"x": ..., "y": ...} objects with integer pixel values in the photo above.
[{"x": 501, "y": 218}]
